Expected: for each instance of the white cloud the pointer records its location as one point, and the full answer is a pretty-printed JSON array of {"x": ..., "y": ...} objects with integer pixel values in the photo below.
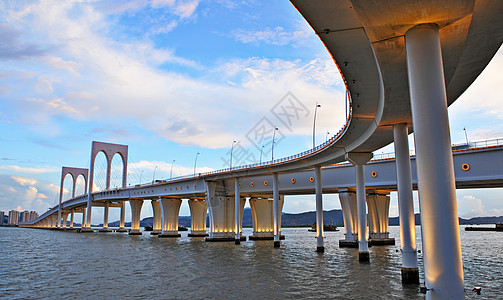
[
  {"x": 26, "y": 192},
  {"x": 275, "y": 36},
  {"x": 29, "y": 170}
]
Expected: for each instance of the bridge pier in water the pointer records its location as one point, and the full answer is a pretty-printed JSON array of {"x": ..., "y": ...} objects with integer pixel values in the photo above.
[
  {"x": 359, "y": 160},
  {"x": 320, "y": 247},
  {"x": 443, "y": 265},
  {"x": 350, "y": 216},
  {"x": 136, "y": 205},
  {"x": 262, "y": 210},
  {"x": 64, "y": 218},
  {"x": 170, "y": 209},
  {"x": 106, "y": 209},
  {"x": 238, "y": 221},
  {"x": 157, "y": 219},
  {"x": 122, "y": 218},
  {"x": 410, "y": 270},
  {"x": 222, "y": 213},
  {"x": 378, "y": 216},
  {"x": 72, "y": 215},
  {"x": 198, "y": 210}
]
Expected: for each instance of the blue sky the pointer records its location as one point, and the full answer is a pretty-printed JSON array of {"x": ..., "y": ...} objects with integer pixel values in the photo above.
[{"x": 173, "y": 78}]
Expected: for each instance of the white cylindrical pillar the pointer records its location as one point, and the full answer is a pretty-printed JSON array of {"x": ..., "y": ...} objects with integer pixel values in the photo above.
[
  {"x": 136, "y": 205},
  {"x": 71, "y": 218},
  {"x": 275, "y": 208},
  {"x": 410, "y": 271},
  {"x": 435, "y": 169},
  {"x": 237, "y": 215},
  {"x": 157, "y": 219},
  {"x": 363, "y": 244},
  {"x": 319, "y": 209},
  {"x": 84, "y": 218},
  {"x": 123, "y": 215},
  {"x": 105, "y": 215}
]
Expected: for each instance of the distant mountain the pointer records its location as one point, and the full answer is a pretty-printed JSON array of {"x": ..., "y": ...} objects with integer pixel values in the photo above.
[{"x": 331, "y": 217}]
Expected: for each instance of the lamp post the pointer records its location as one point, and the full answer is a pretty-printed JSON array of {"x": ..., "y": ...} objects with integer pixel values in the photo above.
[
  {"x": 466, "y": 135},
  {"x": 195, "y": 163},
  {"x": 261, "y": 150},
  {"x": 232, "y": 148},
  {"x": 153, "y": 177},
  {"x": 171, "y": 171},
  {"x": 273, "y": 137},
  {"x": 326, "y": 136},
  {"x": 314, "y": 123},
  {"x": 141, "y": 175}
]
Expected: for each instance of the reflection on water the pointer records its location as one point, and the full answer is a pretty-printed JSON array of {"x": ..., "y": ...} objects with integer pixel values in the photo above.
[{"x": 52, "y": 264}]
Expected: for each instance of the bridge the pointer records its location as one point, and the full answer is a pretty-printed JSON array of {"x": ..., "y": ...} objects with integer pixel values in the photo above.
[{"x": 403, "y": 63}]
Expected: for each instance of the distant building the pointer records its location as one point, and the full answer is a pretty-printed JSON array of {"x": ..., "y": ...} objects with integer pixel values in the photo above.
[
  {"x": 33, "y": 215},
  {"x": 24, "y": 216},
  {"x": 2, "y": 217},
  {"x": 13, "y": 217}
]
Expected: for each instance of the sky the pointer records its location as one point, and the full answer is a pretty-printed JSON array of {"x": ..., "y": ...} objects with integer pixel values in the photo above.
[{"x": 173, "y": 78}]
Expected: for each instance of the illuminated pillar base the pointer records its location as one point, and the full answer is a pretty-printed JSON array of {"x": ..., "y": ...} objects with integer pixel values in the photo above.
[
  {"x": 222, "y": 214},
  {"x": 122, "y": 218},
  {"x": 263, "y": 218},
  {"x": 378, "y": 207},
  {"x": 135, "y": 216},
  {"x": 350, "y": 216},
  {"x": 157, "y": 220},
  {"x": 170, "y": 208},
  {"x": 71, "y": 219},
  {"x": 64, "y": 218},
  {"x": 198, "y": 210}
]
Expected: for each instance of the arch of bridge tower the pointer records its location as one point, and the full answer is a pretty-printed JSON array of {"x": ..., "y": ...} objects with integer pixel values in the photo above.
[
  {"x": 109, "y": 150},
  {"x": 74, "y": 173}
]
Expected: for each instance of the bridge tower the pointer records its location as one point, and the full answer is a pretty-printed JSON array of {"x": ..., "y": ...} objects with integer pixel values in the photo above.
[
  {"x": 109, "y": 150},
  {"x": 75, "y": 173}
]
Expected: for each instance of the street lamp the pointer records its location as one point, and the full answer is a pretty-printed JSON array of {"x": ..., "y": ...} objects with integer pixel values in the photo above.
[
  {"x": 466, "y": 135},
  {"x": 141, "y": 175},
  {"x": 261, "y": 150},
  {"x": 273, "y": 137},
  {"x": 195, "y": 163},
  {"x": 232, "y": 148},
  {"x": 171, "y": 171},
  {"x": 314, "y": 123},
  {"x": 326, "y": 136},
  {"x": 153, "y": 177}
]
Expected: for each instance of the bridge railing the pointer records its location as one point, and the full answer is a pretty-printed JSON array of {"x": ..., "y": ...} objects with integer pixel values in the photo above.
[{"x": 455, "y": 147}]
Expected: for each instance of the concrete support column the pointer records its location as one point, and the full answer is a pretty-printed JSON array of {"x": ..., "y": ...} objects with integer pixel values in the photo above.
[
  {"x": 135, "y": 216},
  {"x": 58, "y": 222},
  {"x": 349, "y": 213},
  {"x": 320, "y": 247},
  {"x": 263, "y": 218},
  {"x": 359, "y": 160},
  {"x": 88, "y": 214},
  {"x": 84, "y": 219},
  {"x": 410, "y": 270},
  {"x": 170, "y": 208},
  {"x": 72, "y": 215},
  {"x": 237, "y": 215},
  {"x": 122, "y": 218},
  {"x": 378, "y": 214},
  {"x": 105, "y": 218},
  {"x": 198, "y": 211},
  {"x": 221, "y": 212},
  {"x": 157, "y": 220},
  {"x": 276, "y": 211},
  {"x": 64, "y": 218},
  {"x": 54, "y": 221},
  {"x": 435, "y": 169}
]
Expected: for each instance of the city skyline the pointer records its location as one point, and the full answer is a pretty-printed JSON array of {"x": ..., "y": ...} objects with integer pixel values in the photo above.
[{"x": 175, "y": 78}]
